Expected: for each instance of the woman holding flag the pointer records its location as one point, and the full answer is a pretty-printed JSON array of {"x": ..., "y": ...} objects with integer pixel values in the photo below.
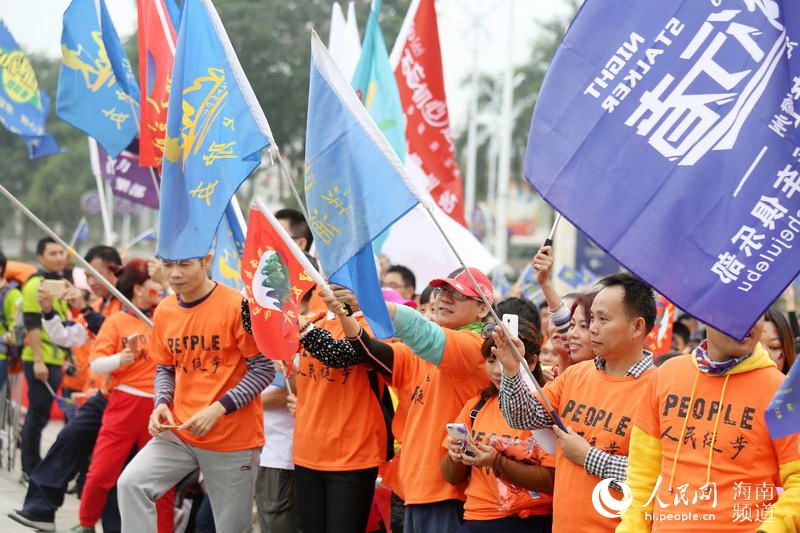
[{"x": 121, "y": 353}]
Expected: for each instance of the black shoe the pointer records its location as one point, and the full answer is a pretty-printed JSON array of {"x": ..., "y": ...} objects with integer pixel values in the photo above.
[{"x": 32, "y": 521}]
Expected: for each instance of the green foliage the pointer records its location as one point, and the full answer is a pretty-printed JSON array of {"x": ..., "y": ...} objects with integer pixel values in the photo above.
[{"x": 276, "y": 277}]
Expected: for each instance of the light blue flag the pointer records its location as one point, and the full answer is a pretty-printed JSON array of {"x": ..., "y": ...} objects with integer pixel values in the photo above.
[
  {"x": 228, "y": 251},
  {"x": 97, "y": 91},
  {"x": 23, "y": 106},
  {"x": 376, "y": 86},
  {"x": 215, "y": 133},
  {"x": 355, "y": 185}
]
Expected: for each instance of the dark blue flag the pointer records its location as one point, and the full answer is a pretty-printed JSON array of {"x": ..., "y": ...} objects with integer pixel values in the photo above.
[{"x": 667, "y": 132}]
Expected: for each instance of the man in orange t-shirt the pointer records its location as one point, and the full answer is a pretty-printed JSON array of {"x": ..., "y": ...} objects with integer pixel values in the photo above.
[
  {"x": 701, "y": 454},
  {"x": 208, "y": 412},
  {"x": 596, "y": 401}
]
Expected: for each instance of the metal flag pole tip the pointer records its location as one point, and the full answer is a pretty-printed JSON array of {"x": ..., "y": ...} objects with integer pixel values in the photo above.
[{"x": 549, "y": 240}]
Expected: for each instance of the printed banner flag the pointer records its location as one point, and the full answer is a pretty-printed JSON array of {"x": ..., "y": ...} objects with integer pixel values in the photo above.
[
  {"x": 215, "y": 132},
  {"x": 23, "y": 106},
  {"x": 659, "y": 341},
  {"x": 228, "y": 251},
  {"x": 128, "y": 179},
  {"x": 417, "y": 63},
  {"x": 783, "y": 413},
  {"x": 97, "y": 91},
  {"x": 670, "y": 139},
  {"x": 374, "y": 82},
  {"x": 275, "y": 283},
  {"x": 355, "y": 186},
  {"x": 157, "y": 39}
]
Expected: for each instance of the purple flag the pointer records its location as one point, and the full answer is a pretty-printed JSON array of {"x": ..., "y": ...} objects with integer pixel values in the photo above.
[{"x": 128, "y": 180}]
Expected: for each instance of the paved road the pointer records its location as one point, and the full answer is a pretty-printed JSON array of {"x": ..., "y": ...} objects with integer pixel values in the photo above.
[{"x": 12, "y": 493}]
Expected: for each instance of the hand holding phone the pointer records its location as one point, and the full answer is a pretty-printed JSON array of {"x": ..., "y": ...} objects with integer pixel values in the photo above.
[
  {"x": 460, "y": 433},
  {"x": 55, "y": 288}
]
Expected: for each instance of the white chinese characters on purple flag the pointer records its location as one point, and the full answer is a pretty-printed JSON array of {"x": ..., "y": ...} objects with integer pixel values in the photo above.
[
  {"x": 127, "y": 179},
  {"x": 681, "y": 119}
]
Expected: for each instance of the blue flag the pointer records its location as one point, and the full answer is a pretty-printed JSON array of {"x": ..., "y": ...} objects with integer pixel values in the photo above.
[
  {"x": 783, "y": 413},
  {"x": 228, "y": 251},
  {"x": 670, "y": 139},
  {"x": 23, "y": 106},
  {"x": 215, "y": 133},
  {"x": 376, "y": 85},
  {"x": 97, "y": 91},
  {"x": 355, "y": 185}
]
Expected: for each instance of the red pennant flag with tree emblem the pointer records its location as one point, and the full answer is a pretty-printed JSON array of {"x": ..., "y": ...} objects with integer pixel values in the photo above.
[
  {"x": 659, "y": 341},
  {"x": 275, "y": 283},
  {"x": 157, "y": 39}
]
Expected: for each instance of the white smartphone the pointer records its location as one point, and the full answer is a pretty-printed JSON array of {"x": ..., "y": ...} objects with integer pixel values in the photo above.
[
  {"x": 460, "y": 433},
  {"x": 512, "y": 323}
]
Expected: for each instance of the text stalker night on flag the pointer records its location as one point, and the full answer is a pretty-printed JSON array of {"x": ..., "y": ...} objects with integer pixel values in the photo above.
[
  {"x": 215, "y": 133},
  {"x": 23, "y": 106},
  {"x": 417, "y": 63},
  {"x": 97, "y": 91},
  {"x": 354, "y": 184},
  {"x": 670, "y": 139},
  {"x": 275, "y": 283},
  {"x": 157, "y": 39}
]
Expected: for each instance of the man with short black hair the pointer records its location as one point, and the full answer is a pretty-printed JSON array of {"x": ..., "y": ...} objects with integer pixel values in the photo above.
[
  {"x": 680, "y": 338},
  {"x": 400, "y": 279},
  {"x": 42, "y": 358},
  {"x": 595, "y": 400},
  {"x": 295, "y": 224}
]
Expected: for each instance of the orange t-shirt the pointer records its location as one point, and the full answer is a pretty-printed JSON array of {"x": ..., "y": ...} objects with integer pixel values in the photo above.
[
  {"x": 112, "y": 339},
  {"x": 745, "y": 461},
  {"x": 489, "y": 498},
  {"x": 339, "y": 423},
  {"x": 208, "y": 346},
  {"x": 600, "y": 408},
  {"x": 438, "y": 394}
]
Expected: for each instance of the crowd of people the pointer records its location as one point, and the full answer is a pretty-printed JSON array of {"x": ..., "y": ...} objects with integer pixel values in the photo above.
[{"x": 187, "y": 426}]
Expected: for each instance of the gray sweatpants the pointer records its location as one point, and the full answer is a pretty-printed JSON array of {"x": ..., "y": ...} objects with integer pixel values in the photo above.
[{"x": 165, "y": 460}]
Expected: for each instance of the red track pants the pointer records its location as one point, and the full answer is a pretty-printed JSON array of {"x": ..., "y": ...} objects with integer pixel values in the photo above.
[{"x": 124, "y": 425}]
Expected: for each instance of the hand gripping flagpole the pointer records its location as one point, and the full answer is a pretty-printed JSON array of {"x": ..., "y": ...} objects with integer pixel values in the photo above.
[
  {"x": 522, "y": 362},
  {"x": 85, "y": 264}
]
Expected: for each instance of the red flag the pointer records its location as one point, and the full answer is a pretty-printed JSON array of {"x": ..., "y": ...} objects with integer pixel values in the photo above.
[
  {"x": 659, "y": 341},
  {"x": 275, "y": 283},
  {"x": 157, "y": 39},
  {"x": 417, "y": 62}
]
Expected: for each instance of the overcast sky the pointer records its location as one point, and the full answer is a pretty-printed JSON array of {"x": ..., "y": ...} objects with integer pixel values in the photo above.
[{"x": 36, "y": 24}]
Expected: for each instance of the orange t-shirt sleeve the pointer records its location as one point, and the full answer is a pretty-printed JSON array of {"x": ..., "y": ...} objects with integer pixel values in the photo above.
[
  {"x": 400, "y": 367},
  {"x": 462, "y": 354},
  {"x": 157, "y": 350},
  {"x": 107, "y": 341}
]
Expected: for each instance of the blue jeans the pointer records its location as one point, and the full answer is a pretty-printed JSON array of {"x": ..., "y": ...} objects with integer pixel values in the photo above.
[{"x": 40, "y": 401}]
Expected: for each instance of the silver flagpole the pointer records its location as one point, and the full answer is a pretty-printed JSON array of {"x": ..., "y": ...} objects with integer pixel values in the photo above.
[{"x": 85, "y": 264}]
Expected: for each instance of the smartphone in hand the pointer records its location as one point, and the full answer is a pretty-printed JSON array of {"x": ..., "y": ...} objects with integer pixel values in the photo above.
[{"x": 54, "y": 288}]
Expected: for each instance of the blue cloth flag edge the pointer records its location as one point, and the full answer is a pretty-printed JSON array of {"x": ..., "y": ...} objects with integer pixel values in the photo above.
[{"x": 377, "y": 315}]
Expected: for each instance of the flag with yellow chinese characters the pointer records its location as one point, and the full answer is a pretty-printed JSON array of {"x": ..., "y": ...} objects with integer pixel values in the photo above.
[
  {"x": 228, "y": 250},
  {"x": 97, "y": 91},
  {"x": 355, "y": 186},
  {"x": 157, "y": 39},
  {"x": 215, "y": 133}
]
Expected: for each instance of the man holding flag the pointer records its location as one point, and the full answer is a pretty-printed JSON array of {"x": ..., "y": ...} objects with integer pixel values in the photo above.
[{"x": 210, "y": 373}]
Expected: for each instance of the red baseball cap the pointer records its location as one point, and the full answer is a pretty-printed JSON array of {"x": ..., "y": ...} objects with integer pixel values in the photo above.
[{"x": 464, "y": 285}]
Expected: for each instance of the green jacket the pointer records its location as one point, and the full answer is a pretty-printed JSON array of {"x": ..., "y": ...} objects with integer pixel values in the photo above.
[
  {"x": 51, "y": 354},
  {"x": 9, "y": 303}
]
